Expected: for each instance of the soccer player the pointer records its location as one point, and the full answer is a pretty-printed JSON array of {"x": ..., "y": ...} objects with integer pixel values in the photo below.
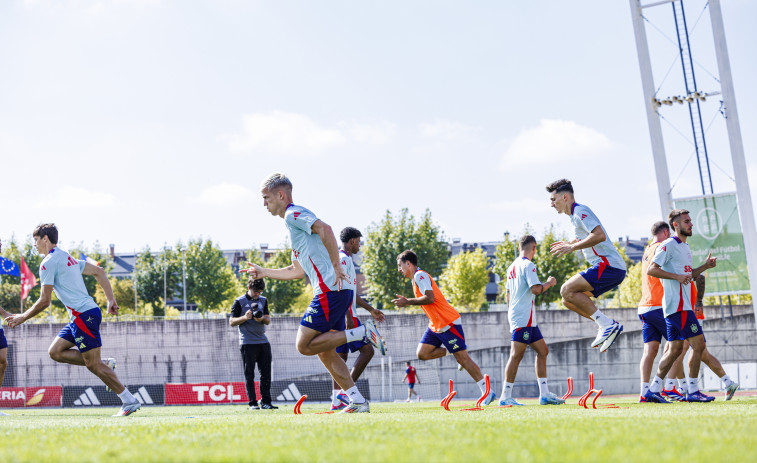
[
  {"x": 653, "y": 326},
  {"x": 607, "y": 269},
  {"x": 523, "y": 286},
  {"x": 672, "y": 263},
  {"x": 315, "y": 254},
  {"x": 350, "y": 238},
  {"x": 444, "y": 328},
  {"x": 78, "y": 343},
  {"x": 412, "y": 378}
]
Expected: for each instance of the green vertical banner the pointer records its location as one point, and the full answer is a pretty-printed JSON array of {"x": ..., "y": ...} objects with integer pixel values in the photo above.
[{"x": 717, "y": 229}]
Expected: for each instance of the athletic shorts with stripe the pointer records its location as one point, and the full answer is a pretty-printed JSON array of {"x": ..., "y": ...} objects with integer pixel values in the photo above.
[
  {"x": 683, "y": 325},
  {"x": 327, "y": 310},
  {"x": 453, "y": 339},
  {"x": 84, "y": 330},
  {"x": 527, "y": 335},
  {"x": 603, "y": 278},
  {"x": 653, "y": 326}
]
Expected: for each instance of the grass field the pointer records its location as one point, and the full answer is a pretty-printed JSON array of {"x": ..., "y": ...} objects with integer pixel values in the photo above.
[{"x": 417, "y": 432}]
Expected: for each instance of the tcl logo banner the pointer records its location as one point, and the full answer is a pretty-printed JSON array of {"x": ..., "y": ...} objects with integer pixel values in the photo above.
[
  {"x": 207, "y": 393},
  {"x": 42, "y": 396}
]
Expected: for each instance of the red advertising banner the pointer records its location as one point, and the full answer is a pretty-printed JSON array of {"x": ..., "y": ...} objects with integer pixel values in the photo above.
[
  {"x": 42, "y": 396},
  {"x": 208, "y": 393}
]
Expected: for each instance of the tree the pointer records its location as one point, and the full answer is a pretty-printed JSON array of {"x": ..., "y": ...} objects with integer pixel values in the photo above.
[
  {"x": 629, "y": 292},
  {"x": 387, "y": 239},
  {"x": 158, "y": 277},
  {"x": 282, "y": 294},
  {"x": 465, "y": 278},
  {"x": 211, "y": 282},
  {"x": 562, "y": 268},
  {"x": 123, "y": 291}
]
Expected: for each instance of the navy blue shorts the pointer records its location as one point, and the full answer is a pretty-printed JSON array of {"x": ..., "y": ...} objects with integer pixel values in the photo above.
[
  {"x": 353, "y": 346},
  {"x": 653, "y": 326},
  {"x": 327, "y": 310},
  {"x": 453, "y": 339},
  {"x": 683, "y": 325},
  {"x": 603, "y": 278},
  {"x": 410, "y": 385},
  {"x": 527, "y": 335},
  {"x": 84, "y": 330},
  {"x": 3, "y": 342}
]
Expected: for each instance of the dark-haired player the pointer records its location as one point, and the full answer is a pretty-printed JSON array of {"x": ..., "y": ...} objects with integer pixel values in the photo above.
[
  {"x": 444, "y": 328},
  {"x": 350, "y": 238},
  {"x": 607, "y": 269},
  {"x": 78, "y": 343}
]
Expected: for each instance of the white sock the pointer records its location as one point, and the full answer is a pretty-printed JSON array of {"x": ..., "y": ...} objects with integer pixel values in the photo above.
[
  {"x": 669, "y": 384},
  {"x": 507, "y": 390},
  {"x": 355, "y": 396},
  {"x": 644, "y": 388},
  {"x": 482, "y": 385},
  {"x": 126, "y": 397},
  {"x": 682, "y": 383},
  {"x": 601, "y": 319},
  {"x": 726, "y": 380},
  {"x": 693, "y": 385},
  {"x": 656, "y": 384},
  {"x": 355, "y": 334},
  {"x": 543, "y": 387},
  {"x": 334, "y": 400}
]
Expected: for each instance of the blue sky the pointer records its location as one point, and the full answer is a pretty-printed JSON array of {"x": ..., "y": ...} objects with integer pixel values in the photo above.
[{"x": 150, "y": 121}]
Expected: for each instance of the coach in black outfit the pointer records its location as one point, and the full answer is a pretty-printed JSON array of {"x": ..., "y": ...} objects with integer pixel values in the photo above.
[{"x": 250, "y": 314}]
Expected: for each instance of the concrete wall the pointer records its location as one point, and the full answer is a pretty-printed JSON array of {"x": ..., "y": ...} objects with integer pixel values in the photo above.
[{"x": 155, "y": 352}]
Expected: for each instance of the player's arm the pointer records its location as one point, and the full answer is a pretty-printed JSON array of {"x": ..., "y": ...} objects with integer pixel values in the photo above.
[
  {"x": 403, "y": 379},
  {"x": 45, "y": 296},
  {"x": 709, "y": 263},
  {"x": 375, "y": 313},
  {"x": 654, "y": 270},
  {"x": 700, "y": 282},
  {"x": 426, "y": 299},
  {"x": 541, "y": 287},
  {"x": 328, "y": 239},
  {"x": 293, "y": 272},
  {"x": 4, "y": 313},
  {"x": 596, "y": 236},
  {"x": 102, "y": 280}
]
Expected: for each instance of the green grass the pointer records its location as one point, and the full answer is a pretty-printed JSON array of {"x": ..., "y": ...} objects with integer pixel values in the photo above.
[{"x": 417, "y": 432}]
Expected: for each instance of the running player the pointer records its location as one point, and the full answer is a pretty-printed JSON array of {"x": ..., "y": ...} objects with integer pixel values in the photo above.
[
  {"x": 315, "y": 254},
  {"x": 412, "y": 379},
  {"x": 607, "y": 269},
  {"x": 350, "y": 238},
  {"x": 78, "y": 343},
  {"x": 672, "y": 263},
  {"x": 445, "y": 326},
  {"x": 522, "y": 286}
]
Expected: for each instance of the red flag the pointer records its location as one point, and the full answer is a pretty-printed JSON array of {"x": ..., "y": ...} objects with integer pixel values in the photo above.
[{"x": 28, "y": 281}]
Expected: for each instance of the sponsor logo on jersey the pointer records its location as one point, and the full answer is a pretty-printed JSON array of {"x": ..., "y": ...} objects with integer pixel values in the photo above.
[{"x": 296, "y": 214}]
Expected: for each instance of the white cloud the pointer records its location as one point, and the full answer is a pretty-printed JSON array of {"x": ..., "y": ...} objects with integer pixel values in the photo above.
[
  {"x": 71, "y": 197},
  {"x": 281, "y": 133},
  {"x": 555, "y": 141},
  {"x": 375, "y": 134},
  {"x": 225, "y": 194},
  {"x": 448, "y": 130}
]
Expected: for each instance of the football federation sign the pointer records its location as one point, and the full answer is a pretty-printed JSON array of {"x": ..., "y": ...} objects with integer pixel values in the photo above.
[{"x": 717, "y": 229}]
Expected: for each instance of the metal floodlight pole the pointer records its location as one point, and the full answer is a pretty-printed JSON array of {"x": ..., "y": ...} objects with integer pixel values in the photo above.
[
  {"x": 184, "y": 279},
  {"x": 743, "y": 193},
  {"x": 653, "y": 119}
]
